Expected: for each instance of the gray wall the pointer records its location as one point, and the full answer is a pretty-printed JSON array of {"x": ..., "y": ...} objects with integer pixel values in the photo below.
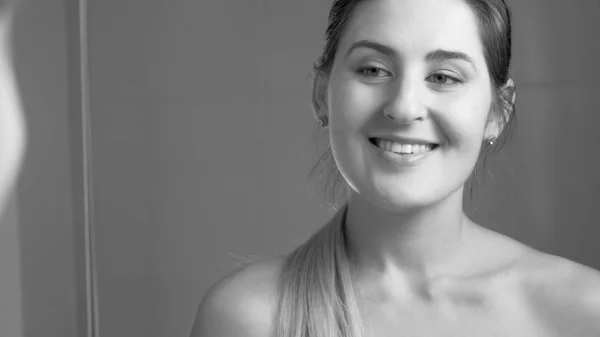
[
  {"x": 187, "y": 98},
  {"x": 202, "y": 133},
  {"x": 546, "y": 184},
  {"x": 11, "y": 305},
  {"x": 38, "y": 295}
]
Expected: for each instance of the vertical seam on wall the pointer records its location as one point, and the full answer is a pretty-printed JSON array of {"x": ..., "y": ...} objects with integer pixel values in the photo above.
[
  {"x": 261, "y": 59},
  {"x": 90, "y": 266}
]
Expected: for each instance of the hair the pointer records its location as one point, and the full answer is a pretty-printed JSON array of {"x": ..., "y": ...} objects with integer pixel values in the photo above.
[{"x": 316, "y": 293}]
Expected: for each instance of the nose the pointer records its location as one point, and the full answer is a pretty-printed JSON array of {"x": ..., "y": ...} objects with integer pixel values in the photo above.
[{"x": 403, "y": 105}]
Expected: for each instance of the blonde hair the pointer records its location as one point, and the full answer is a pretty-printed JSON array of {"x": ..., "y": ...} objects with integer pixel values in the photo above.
[{"x": 316, "y": 294}]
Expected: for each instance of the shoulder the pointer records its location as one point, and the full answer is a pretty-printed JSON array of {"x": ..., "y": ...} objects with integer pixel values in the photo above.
[
  {"x": 240, "y": 304},
  {"x": 562, "y": 293}
]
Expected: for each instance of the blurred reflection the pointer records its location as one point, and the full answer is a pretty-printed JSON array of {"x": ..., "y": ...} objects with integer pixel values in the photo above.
[{"x": 12, "y": 131}]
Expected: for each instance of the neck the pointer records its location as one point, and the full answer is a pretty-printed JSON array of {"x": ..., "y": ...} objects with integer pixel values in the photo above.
[{"x": 419, "y": 243}]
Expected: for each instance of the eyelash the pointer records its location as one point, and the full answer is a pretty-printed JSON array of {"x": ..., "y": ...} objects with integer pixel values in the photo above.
[
  {"x": 361, "y": 71},
  {"x": 447, "y": 77}
]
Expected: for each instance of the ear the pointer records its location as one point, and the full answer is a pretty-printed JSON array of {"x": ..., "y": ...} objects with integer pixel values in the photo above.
[
  {"x": 498, "y": 120},
  {"x": 319, "y": 96}
]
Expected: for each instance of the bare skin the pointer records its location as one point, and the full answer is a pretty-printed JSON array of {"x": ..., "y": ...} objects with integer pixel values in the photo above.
[
  {"x": 514, "y": 291},
  {"x": 511, "y": 290}
]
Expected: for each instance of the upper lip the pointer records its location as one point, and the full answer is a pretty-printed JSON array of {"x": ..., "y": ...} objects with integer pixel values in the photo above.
[{"x": 405, "y": 139}]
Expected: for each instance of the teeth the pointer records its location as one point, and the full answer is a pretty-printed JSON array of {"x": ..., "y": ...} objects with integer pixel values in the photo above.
[
  {"x": 402, "y": 148},
  {"x": 395, "y": 147}
]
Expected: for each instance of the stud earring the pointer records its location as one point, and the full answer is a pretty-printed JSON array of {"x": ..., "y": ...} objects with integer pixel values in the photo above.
[
  {"x": 323, "y": 121},
  {"x": 492, "y": 141}
]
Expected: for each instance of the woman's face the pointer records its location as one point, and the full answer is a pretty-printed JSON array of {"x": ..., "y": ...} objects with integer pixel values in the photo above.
[{"x": 408, "y": 99}]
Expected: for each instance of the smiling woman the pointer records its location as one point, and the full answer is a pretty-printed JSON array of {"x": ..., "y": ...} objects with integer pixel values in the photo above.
[{"x": 411, "y": 94}]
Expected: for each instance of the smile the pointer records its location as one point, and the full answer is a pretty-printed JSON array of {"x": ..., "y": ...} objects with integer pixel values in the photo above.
[
  {"x": 402, "y": 155},
  {"x": 402, "y": 149}
]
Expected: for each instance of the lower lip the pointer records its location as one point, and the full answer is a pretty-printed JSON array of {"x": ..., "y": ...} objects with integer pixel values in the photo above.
[{"x": 402, "y": 159}]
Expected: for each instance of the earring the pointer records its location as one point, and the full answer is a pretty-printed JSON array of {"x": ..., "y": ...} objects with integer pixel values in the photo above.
[
  {"x": 323, "y": 121},
  {"x": 492, "y": 141}
]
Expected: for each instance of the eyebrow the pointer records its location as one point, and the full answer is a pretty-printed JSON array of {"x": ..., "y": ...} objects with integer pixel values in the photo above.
[
  {"x": 443, "y": 55},
  {"x": 436, "y": 55}
]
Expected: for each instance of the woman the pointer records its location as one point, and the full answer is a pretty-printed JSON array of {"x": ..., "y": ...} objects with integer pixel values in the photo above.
[
  {"x": 12, "y": 133},
  {"x": 411, "y": 93}
]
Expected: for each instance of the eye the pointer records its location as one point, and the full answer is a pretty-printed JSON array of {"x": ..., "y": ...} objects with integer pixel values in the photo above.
[
  {"x": 373, "y": 71},
  {"x": 444, "y": 79}
]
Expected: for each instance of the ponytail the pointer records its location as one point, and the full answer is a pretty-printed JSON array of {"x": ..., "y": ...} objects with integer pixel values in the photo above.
[{"x": 316, "y": 296}]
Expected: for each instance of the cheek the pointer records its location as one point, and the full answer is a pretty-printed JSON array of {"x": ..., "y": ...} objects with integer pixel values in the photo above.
[
  {"x": 348, "y": 115},
  {"x": 351, "y": 105},
  {"x": 463, "y": 118}
]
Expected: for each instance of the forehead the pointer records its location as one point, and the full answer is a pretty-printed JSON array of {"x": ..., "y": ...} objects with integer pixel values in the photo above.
[{"x": 416, "y": 27}]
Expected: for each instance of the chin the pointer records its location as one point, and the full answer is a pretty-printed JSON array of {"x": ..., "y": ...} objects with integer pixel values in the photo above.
[
  {"x": 400, "y": 200},
  {"x": 400, "y": 204}
]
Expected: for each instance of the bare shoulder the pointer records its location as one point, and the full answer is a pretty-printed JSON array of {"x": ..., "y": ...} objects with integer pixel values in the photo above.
[
  {"x": 563, "y": 294},
  {"x": 240, "y": 304}
]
